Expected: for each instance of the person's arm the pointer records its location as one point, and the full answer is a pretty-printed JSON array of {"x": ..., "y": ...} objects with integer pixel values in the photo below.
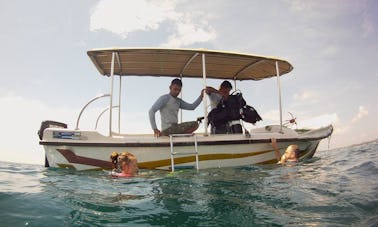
[
  {"x": 211, "y": 90},
  {"x": 283, "y": 159},
  {"x": 276, "y": 151},
  {"x": 187, "y": 106},
  {"x": 155, "y": 107}
]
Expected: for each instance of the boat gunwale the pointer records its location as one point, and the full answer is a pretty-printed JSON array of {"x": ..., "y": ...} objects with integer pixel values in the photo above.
[
  {"x": 165, "y": 144},
  {"x": 214, "y": 139}
]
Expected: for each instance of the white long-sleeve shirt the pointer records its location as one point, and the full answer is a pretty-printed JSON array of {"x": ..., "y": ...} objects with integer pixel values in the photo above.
[{"x": 169, "y": 107}]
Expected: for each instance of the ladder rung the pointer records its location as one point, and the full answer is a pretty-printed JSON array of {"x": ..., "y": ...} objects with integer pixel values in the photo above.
[
  {"x": 195, "y": 152},
  {"x": 183, "y": 153},
  {"x": 185, "y": 167},
  {"x": 181, "y": 135}
]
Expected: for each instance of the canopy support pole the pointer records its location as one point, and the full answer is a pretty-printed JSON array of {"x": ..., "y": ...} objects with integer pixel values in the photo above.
[
  {"x": 204, "y": 98},
  {"x": 120, "y": 89},
  {"x": 111, "y": 93},
  {"x": 279, "y": 94},
  {"x": 119, "y": 104},
  {"x": 182, "y": 72},
  {"x": 180, "y": 110}
]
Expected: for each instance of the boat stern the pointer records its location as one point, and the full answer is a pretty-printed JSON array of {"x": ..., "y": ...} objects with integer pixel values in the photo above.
[{"x": 49, "y": 124}]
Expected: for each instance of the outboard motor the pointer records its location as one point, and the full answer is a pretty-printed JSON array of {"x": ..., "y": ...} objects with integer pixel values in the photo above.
[{"x": 49, "y": 124}]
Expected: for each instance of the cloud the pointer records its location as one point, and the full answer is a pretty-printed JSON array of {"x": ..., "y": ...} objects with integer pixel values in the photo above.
[
  {"x": 304, "y": 95},
  {"x": 362, "y": 112},
  {"x": 326, "y": 119},
  {"x": 319, "y": 121},
  {"x": 124, "y": 17},
  {"x": 189, "y": 32},
  {"x": 344, "y": 128},
  {"x": 331, "y": 9},
  {"x": 21, "y": 118},
  {"x": 330, "y": 50},
  {"x": 304, "y": 98},
  {"x": 271, "y": 116},
  {"x": 367, "y": 25},
  {"x": 334, "y": 13},
  {"x": 298, "y": 5}
]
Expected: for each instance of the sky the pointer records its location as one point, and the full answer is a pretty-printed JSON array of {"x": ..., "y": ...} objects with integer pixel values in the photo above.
[{"x": 47, "y": 75}]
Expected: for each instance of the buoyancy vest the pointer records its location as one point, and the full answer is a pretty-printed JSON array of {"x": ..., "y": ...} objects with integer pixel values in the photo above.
[{"x": 234, "y": 108}]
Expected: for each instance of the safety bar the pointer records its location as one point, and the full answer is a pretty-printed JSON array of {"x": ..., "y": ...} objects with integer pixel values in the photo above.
[
  {"x": 86, "y": 105},
  {"x": 102, "y": 112}
]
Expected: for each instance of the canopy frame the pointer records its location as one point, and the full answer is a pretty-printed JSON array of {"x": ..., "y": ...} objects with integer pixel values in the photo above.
[
  {"x": 162, "y": 62},
  {"x": 115, "y": 58}
]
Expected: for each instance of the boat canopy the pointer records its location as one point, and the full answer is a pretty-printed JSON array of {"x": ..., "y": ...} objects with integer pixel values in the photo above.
[{"x": 187, "y": 63}]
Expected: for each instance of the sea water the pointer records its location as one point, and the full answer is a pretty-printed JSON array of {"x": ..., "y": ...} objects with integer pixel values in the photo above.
[{"x": 335, "y": 188}]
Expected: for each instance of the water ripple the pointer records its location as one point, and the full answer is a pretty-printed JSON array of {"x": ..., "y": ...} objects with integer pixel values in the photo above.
[{"x": 336, "y": 188}]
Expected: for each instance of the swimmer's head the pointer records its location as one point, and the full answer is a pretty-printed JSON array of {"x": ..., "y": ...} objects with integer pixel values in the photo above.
[
  {"x": 292, "y": 152},
  {"x": 114, "y": 160},
  {"x": 126, "y": 159}
]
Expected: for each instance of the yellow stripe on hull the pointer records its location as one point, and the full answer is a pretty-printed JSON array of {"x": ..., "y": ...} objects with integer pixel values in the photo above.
[{"x": 188, "y": 159}]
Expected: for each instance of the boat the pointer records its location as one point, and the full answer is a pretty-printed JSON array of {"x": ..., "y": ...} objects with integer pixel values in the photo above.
[{"x": 84, "y": 149}]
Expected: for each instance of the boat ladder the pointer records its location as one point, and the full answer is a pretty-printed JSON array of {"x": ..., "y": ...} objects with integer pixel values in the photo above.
[{"x": 173, "y": 153}]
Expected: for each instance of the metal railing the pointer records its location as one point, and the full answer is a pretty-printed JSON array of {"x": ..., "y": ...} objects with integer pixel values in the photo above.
[
  {"x": 102, "y": 112},
  {"x": 86, "y": 105}
]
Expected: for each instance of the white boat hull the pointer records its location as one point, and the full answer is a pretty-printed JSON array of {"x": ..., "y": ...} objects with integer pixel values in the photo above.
[{"x": 85, "y": 150}]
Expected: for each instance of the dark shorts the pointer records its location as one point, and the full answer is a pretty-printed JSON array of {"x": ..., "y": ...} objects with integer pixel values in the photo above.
[{"x": 182, "y": 128}]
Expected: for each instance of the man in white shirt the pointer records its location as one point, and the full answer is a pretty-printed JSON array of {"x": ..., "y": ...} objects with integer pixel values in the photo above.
[{"x": 169, "y": 105}]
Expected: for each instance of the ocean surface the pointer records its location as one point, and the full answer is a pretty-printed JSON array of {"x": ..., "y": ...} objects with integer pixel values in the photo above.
[{"x": 335, "y": 188}]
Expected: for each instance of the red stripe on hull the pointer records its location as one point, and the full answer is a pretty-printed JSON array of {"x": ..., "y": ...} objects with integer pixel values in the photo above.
[{"x": 73, "y": 158}]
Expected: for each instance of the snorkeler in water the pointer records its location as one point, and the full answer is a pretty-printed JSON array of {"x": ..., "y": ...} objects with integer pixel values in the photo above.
[
  {"x": 290, "y": 155},
  {"x": 124, "y": 164}
]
